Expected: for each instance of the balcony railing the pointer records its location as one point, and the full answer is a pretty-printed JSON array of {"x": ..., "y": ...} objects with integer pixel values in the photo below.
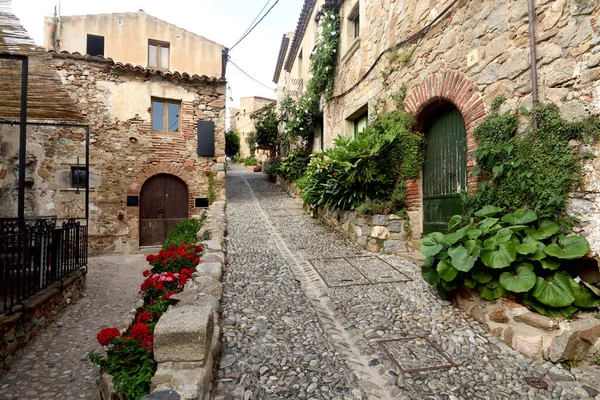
[{"x": 35, "y": 253}]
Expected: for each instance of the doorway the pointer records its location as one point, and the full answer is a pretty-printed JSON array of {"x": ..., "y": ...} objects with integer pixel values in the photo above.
[{"x": 163, "y": 204}]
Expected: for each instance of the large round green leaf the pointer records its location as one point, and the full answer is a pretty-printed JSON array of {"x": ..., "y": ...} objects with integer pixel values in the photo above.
[
  {"x": 491, "y": 291},
  {"x": 430, "y": 275},
  {"x": 555, "y": 292},
  {"x": 584, "y": 297},
  {"x": 481, "y": 274},
  {"x": 489, "y": 225},
  {"x": 520, "y": 217},
  {"x": 528, "y": 246},
  {"x": 550, "y": 263},
  {"x": 488, "y": 211},
  {"x": 455, "y": 223},
  {"x": 500, "y": 257},
  {"x": 569, "y": 248},
  {"x": 429, "y": 261},
  {"x": 432, "y": 244},
  {"x": 474, "y": 247},
  {"x": 503, "y": 235},
  {"x": 454, "y": 237},
  {"x": 552, "y": 312},
  {"x": 446, "y": 270},
  {"x": 522, "y": 281},
  {"x": 546, "y": 229},
  {"x": 462, "y": 259},
  {"x": 474, "y": 233}
]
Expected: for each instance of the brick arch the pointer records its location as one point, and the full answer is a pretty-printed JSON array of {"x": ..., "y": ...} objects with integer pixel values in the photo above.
[
  {"x": 177, "y": 170},
  {"x": 456, "y": 88}
]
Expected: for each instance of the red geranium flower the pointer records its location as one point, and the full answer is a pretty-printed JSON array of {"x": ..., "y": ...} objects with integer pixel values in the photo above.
[
  {"x": 106, "y": 335},
  {"x": 148, "y": 342},
  {"x": 198, "y": 249},
  {"x": 139, "y": 331},
  {"x": 144, "y": 317},
  {"x": 196, "y": 261},
  {"x": 160, "y": 286},
  {"x": 164, "y": 262},
  {"x": 146, "y": 273},
  {"x": 147, "y": 284},
  {"x": 168, "y": 295}
]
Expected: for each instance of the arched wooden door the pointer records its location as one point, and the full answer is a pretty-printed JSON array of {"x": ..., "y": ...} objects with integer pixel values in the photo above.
[
  {"x": 163, "y": 204},
  {"x": 445, "y": 168}
]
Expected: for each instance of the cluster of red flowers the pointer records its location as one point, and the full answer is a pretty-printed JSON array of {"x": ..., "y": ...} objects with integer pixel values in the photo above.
[
  {"x": 184, "y": 251},
  {"x": 165, "y": 280},
  {"x": 106, "y": 335}
]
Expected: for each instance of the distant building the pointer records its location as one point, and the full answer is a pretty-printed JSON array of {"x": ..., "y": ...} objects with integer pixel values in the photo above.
[
  {"x": 154, "y": 97},
  {"x": 234, "y": 116}
]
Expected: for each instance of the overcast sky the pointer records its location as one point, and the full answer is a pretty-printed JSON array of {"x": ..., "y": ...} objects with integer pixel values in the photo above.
[{"x": 223, "y": 21}]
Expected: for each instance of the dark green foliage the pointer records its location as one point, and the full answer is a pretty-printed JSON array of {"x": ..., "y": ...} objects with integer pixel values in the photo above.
[
  {"x": 498, "y": 253},
  {"x": 232, "y": 143},
  {"x": 130, "y": 365},
  {"x": 369, "y": 167},
  {"x": 535, "y": 170},
  {"x": 396, "y": 202},
  {"x": 184, "y": 232},
  {"x": 265, "y": 122},
  {"x": 248, "y": 161},
  {"x": 293, "y": 165}
]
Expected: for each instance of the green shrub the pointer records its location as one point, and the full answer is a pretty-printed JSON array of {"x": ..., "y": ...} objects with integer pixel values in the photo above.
[
  {"x": 370, "y": 166},
  {"x": 273, "y": 166},
  {"x": 395, "y": 203},
  {"x": 184, "y": 232},
  {"x": 248, "y": 161},
  {"x": 293, "y": 165},
  {"x": 515, "y": 253},
  {"x": 232, "y": 143}
]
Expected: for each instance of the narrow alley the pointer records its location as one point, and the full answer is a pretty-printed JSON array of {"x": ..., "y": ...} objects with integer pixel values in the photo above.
[{"x": 298, "y": 323}]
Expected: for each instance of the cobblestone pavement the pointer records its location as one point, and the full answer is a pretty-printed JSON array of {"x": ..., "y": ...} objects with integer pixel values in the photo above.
[
  {"x": 297, "y": 325},
  {"x": 54, "y": 365}
]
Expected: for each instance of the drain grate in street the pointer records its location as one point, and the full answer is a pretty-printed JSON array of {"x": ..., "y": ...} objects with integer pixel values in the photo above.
[
  {"x": 417, "y": 353},
  {"x": 377, "y": 270},
  {"x": 354, "y": 271}
]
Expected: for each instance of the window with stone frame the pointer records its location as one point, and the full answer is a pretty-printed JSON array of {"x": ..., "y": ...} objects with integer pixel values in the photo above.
[
  {"x": 158, "y": 54},
  {"x": 354, "y": 23},
  {"x": 166, "y": 115}
]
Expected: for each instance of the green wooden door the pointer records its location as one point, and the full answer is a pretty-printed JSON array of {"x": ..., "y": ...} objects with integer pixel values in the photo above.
[{"x": 445, "y": 168}]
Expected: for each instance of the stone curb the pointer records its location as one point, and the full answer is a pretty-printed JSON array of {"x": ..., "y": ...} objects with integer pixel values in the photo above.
[{"x": 187, "y": 337}]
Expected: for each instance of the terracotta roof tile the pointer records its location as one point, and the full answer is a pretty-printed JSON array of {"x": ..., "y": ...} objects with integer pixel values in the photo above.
[{"x": 285, "y": 42}]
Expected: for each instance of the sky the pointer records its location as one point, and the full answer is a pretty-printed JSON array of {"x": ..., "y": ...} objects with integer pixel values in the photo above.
[{"x": 223, "y": 21}]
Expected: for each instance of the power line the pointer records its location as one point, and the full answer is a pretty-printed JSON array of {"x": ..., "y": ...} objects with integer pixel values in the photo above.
[
  {"x": 254, "y": 79},
  {"x": 255, "y": 18},
  {"x": 255, "y": 25}
]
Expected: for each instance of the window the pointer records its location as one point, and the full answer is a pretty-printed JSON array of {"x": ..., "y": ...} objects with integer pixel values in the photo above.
[
  {"x": 79, "y": 176},
  {"x": 165, "y": 115},
  {"x": 360, "y": 123},
  {"x": 354, "y": 23},
  {"x": 158, "y": 54},
  {"x": 95, "y": 45}
]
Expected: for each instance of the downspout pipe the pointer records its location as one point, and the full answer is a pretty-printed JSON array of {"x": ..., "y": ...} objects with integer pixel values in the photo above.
[{"x": 533, "y": 66}]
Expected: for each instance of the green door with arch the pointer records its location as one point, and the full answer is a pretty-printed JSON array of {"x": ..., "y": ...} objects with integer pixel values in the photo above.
[{"x": 445, "y": 168}]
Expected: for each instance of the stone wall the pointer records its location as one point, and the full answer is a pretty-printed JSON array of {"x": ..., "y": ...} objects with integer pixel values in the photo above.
[
  {"x": 124, "y": 150},
  {"x": 532, "y": 334},
  {"x": 40, "y": 311},
  {"x": 477, "y": 52}
]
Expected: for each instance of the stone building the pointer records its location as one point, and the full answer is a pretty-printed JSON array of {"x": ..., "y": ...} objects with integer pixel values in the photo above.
[
  {"x": 157, "y": 134},
  {"x": 464, "y": 54},
  {"x": 245, "y": 124},
  {"x": 234, "y": 117}
]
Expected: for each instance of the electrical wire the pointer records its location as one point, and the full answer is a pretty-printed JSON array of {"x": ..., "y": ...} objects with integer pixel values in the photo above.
[
  {"x": 255, "y": 18},
  {"x": 254, "y": 79},
  {"x": 422, "y": 32},
  {"x": 254, "y": 26}
]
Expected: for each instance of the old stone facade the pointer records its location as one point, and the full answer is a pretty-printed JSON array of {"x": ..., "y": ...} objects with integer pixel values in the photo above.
[
  {"x": 245, "y": 124},
  {"x": 471, "y": 54},
  {"x": 125, "y": 149}
]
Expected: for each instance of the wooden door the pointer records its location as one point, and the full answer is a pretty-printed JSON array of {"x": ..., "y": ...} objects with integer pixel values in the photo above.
[
  {"x": 163, "y": 204},
  {"x": 445, "y": 168}
]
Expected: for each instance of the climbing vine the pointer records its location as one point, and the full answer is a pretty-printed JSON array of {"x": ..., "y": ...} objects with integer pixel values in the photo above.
[
  {"x": 535, "y": 170},
  {"x": 299, "y": 115}
]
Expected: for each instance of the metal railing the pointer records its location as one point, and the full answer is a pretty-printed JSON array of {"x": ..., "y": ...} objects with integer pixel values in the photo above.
[{"x": 35, "y": 253}]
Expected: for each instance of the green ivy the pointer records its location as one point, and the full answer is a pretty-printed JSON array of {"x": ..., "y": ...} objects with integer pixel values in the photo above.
[
  {"x": 535, "y": 170},
  {"x": 299, "y": 115}
]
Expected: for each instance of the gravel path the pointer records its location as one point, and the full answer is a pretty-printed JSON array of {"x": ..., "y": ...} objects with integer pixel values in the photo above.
[
  {"x": 287, "y": 334},
  {"x": 54, "y": 365}
]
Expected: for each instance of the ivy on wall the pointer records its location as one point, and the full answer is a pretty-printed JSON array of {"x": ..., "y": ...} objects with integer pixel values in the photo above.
[
  {"x": 534, "y": 170},
  {"x": 299, "y": 115}
]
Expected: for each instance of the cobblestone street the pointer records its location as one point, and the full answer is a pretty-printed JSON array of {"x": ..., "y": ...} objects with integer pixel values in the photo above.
[
  {"x": 54, "y": 365},
  {"x": 308, "y": 314}
]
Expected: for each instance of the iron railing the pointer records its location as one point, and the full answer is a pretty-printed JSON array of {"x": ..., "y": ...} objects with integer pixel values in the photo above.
[{"x": 35, "y": 253}]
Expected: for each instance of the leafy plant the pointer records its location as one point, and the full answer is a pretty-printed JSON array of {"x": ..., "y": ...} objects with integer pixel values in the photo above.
[
  {"x": 293, "y": 165},
  {"x": 232, "y": 143},
  {"x": 265, "y": 123},
  {"x": 183, "y": 232},
  {"x": 248, "y": 161},
  {"x": 515, "y": 253}
]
